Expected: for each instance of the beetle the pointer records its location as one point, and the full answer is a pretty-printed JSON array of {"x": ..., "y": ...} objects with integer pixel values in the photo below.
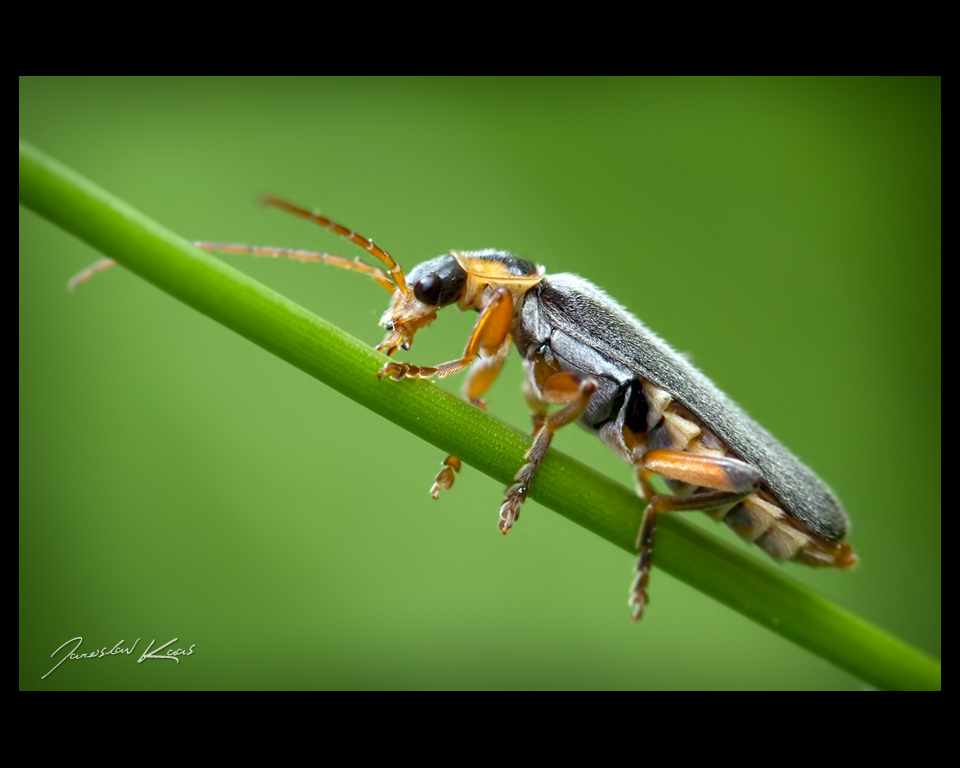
[{"x": 585, "y": 353}]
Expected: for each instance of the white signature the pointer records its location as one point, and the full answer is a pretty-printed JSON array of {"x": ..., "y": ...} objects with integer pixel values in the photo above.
[{"x": 172, "y": 653}]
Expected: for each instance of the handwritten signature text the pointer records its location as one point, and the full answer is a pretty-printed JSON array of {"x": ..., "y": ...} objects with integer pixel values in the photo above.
[{"x": 150, "y": 653}]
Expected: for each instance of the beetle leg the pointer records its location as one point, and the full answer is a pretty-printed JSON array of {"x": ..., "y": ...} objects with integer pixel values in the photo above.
[
  {"x": 728, "y": 480},
  {"x": 718, "y": 473},
  {"x": 483, "y": 373},
  {"x": 537, "y": 406},
  {"x": 445, "y": 476},
  {"x": 489, "y": 334},
  {"x": 573, "y": 390}
]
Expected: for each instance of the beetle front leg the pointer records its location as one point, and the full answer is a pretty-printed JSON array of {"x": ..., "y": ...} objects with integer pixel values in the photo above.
[
  {"x": 491, "y": 337},
  {"x": 728, "y": 479},
  {"x": 489, "y": 334},
  {"x": 573, "y": 390}
]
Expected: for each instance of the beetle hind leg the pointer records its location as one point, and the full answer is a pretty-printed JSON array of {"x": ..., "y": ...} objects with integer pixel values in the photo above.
[{"x": 724, "y": 481}]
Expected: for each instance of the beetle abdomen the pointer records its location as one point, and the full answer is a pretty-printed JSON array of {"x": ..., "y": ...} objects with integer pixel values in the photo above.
[{"x": 758, "y": 518}]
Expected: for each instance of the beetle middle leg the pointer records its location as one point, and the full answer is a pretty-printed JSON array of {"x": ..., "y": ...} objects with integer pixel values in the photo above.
[
  {"x": 726, "y": 481},
  {"x": 572, "y": 390},
  {"x": 482, "y": 374}
]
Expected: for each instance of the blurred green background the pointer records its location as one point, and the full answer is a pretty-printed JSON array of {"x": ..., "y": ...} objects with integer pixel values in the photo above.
[{"x": 177, "y": 481}]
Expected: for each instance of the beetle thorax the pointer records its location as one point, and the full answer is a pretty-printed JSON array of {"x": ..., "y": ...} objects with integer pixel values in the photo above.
[{"x": 489, "y": 269}]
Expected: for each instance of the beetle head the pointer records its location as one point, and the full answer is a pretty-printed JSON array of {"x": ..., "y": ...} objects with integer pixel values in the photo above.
[{"x": 430, "y": 285}]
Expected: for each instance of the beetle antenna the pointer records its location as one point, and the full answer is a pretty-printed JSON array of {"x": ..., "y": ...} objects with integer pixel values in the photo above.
[
  {"x": 296, "y": 254},
  {"x": 85, "y": 274},
  {"x": 396, "y": 272}
]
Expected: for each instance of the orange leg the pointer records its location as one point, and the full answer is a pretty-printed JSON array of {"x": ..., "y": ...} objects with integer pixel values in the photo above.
[
  {"x": 573, "y": 390},
  {"x": 483, "y": 373},
  {"x": 729, "y": 480},
  {"x": 536, "y": 405},
  {"x": 489, "y": 334}
]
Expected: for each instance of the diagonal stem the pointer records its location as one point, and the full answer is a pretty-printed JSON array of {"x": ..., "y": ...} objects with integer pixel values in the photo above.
[{"x": 593, "y": 501}]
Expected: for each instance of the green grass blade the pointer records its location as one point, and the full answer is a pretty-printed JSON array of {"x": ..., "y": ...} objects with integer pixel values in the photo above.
[{"x": 593, "y": 501}]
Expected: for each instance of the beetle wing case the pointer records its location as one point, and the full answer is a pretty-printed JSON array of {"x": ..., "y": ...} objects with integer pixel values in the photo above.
[{"x": 568, "y": 305}]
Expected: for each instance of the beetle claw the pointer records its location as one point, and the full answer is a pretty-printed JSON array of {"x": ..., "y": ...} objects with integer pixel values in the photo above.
[
  {"x": 395, "y": 371},
  {"x": 443, "y": 482},
  {"x": 638, "y": 601}
]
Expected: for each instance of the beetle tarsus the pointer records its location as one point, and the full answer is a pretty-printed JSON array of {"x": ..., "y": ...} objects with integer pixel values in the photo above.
[
  {"x": 510, "y": 509},
  {"x": 638, "y": 589},
  {"x": 397, "y": 371},
  {"x": 446, "y": 476},
  {"x": 637, "y": 603}
]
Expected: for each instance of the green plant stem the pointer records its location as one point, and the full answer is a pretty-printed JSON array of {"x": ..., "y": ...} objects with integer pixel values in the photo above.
[{"x": 593, "y": 501}]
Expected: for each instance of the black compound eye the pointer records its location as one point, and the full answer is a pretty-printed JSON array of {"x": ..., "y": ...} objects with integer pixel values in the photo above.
[{"x": 427, "y": 289}]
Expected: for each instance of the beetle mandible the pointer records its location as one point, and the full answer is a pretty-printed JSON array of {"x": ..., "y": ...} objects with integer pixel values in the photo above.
[{"x": 584, "y": 352}]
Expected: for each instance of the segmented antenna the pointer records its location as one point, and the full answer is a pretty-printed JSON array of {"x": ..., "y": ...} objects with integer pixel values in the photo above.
[
  {"x": 364, "y": 242},
  {"x": 94, "y": 269},
  {"x": 298, "y": 254}
]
